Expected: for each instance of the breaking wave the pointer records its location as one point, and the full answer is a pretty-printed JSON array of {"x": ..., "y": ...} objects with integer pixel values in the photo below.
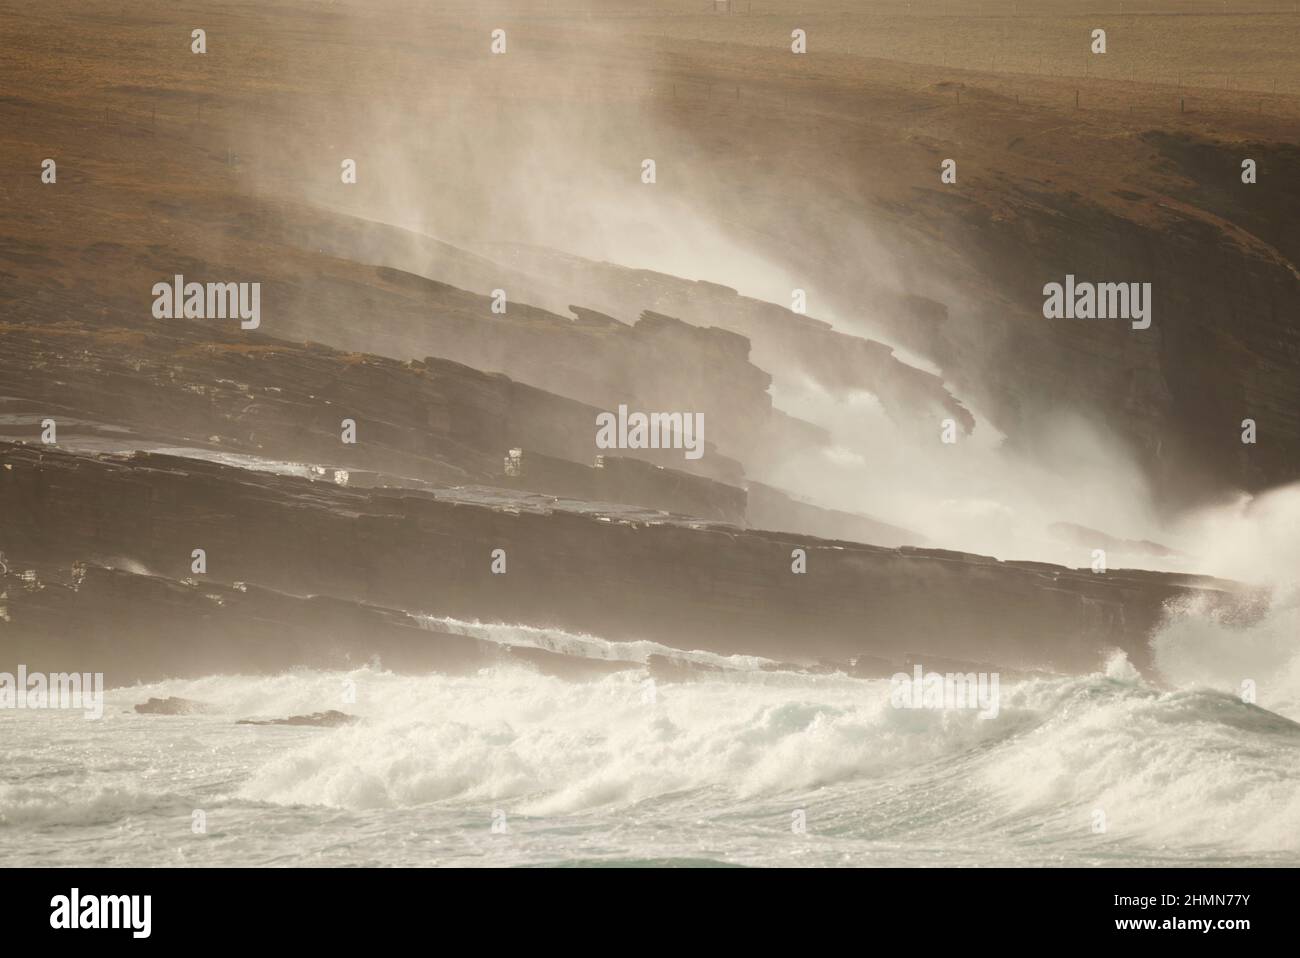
[{"x": 713, "y": 767}]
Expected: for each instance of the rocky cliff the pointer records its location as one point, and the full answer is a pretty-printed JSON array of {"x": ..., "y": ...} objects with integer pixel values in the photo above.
[{"x": 620, "y": 575}]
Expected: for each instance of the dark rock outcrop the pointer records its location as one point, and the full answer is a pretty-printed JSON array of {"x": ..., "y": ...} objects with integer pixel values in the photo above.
[
  {"x": 194, "y": 383},
  {"x": 136, "y": 627},
  {"x": 171, "y": 705},
  {"x": 687, "y": 585}
]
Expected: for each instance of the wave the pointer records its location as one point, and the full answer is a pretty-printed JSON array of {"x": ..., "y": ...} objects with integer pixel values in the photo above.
[
  {"x": 722, "y": 761},
  {"x": 1199, "y": 645},
  {"x": 67, "y": 802},
  {"x": 1165, "y": 768}
]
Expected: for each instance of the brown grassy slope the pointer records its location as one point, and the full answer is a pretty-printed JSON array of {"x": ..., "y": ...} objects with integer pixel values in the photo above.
[{"x": 791, "y": 157}]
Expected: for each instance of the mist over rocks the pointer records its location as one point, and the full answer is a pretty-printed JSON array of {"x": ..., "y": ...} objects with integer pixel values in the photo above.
[{"x": 784, "y": 343}]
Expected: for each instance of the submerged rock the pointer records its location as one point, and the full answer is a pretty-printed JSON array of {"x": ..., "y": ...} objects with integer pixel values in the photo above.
[
  {"x": 329, "y": 719},
  {"x": 170, "y": 706}
]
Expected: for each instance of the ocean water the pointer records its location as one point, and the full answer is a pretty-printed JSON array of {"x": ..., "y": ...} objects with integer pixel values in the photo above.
[{"x": 706, "y": 773}]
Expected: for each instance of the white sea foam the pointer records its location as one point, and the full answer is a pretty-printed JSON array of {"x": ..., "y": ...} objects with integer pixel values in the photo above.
[
  {"x": 711, "y": 768},
  {"x": 581, "y": 643},
  {"x": 1201, "y": 646}
]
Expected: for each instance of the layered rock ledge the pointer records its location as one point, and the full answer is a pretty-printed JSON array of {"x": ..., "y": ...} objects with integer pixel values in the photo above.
[{"x": 619, "y": 574}]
